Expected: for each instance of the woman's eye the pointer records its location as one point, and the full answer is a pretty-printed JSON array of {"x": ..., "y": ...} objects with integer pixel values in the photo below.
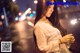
[{"x": 49, "y": 6}]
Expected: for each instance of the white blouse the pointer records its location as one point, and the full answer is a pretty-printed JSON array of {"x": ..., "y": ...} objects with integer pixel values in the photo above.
[{"x": 47, "y": 37}]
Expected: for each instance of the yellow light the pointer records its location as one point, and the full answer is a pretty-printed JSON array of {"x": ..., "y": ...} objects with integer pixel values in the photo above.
[
  {"x": 13, "y": 0},
  {"x": 30, "y": 23},
  {"x": 2, "y": 16},
  {"x": 19, "y": 13},
  {"x": 35, "y": 1}
]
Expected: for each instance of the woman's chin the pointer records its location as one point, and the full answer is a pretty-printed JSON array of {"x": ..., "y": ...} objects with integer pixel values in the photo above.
[{"x": 48, "y": 16}]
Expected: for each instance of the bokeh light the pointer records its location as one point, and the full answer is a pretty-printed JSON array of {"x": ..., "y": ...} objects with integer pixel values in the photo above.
[{"x": 74, "y": 21}]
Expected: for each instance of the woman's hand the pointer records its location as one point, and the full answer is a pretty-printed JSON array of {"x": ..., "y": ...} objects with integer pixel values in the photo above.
[{"x": 68, "y": 39}]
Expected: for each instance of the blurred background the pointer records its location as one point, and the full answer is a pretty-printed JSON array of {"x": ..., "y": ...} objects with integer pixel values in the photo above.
[{"x": 17, "y": 22}]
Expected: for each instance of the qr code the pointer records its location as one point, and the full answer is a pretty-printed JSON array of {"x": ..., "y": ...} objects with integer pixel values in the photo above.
[{"x": 6, "y": 46}]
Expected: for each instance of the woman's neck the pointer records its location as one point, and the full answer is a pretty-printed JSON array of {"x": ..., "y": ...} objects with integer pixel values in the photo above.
[{"x": 44, "y": 19}]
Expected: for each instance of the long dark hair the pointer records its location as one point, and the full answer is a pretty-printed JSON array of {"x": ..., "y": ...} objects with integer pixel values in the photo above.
[{"x": 41, "y": 10}]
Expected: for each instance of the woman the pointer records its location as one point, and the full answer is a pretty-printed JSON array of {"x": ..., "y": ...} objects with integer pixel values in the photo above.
[{"x": 48, "y": 37}]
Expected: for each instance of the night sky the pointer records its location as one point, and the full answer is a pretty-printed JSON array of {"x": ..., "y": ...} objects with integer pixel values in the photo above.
[{"x": 25, "y": 4}]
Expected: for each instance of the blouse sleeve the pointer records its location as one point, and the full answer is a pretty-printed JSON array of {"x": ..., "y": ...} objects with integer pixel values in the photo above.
[{"x": 42, "y": 42}]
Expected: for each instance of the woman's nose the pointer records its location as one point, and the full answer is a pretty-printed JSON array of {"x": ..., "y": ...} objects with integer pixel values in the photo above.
[{"x": 52, "y": 9}]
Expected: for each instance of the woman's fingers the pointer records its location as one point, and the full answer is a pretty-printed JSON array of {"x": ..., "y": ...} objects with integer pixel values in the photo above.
[{"x": 68, "y": 39}]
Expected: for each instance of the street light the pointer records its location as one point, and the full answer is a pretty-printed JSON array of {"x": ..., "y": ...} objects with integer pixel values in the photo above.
[
  {"x": 13, "y": 0},
  {"x": 64, "y": 0},
  {"x": 74, "y": 21},
  {"x": 23, "y": 17},
  {"x": 35, "y": 2},
  {"x": 30, "y": 23},
  {"x": 19, "y": 13},
  {"x": 16, "y": 19},
  {"x": 2, "y": 16}
]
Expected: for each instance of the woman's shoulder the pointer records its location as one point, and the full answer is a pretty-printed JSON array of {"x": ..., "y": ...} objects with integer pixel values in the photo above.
[{"x": 39, "y": 24}]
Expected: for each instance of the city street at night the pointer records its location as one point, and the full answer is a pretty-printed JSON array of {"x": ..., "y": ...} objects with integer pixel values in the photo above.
[{"x": 18, "y": 19}]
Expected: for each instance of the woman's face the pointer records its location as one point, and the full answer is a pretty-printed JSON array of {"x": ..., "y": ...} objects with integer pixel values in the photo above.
[{"x": 50, "y": 10}]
